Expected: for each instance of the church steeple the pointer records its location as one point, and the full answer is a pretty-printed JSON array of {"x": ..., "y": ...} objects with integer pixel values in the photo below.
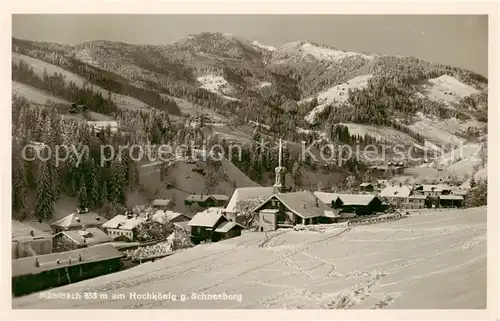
[{"x": 279, "y": 185}]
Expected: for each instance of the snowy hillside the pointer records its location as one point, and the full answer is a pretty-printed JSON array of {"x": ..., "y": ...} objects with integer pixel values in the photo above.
[
  {"x": 218, "y": 85},
  {"x": 262, "y": 46},
  {"x": 443, "y": 132},
  {"x": 34, "y": 95},
  {"x": 335, "y": 95},
  {"x": 446, "y": 89},
  {"x": 382, "y": 133},
  {"x": 436, "y": 260},
  {"x": 323, "y": 53},
  {"x": 40, "y": 66}
]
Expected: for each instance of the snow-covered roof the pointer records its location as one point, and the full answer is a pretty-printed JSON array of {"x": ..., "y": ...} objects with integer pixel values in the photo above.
[
  {"x": 21, "y": 231},
  {"x": 124, "y": 223},
  {"x": 326, "y": 198},
  {"x": 78, "y": 220},
  {"x": 356, "y": 199},
  {"x": 161, "y": 202},
  {"x": 433, "y": 188},
  {"x": 248, "y": 193},
  {"x": 225, "y": 227},
  {"x": 184, "y": 225},
  {"x": 452, "y": 197},
  {"x": 52, "y": 261},
  {"x": 331, "y": 214},
  {"x": 164, "y": 216},
  {"x": 395, "y": 191},
  {"x": 91, "y": 235},
  {"x": 207, "y": 218},
  {"x": 304, "y": 203}
]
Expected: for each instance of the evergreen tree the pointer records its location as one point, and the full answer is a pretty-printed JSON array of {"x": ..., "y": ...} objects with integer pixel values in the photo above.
[
  {"x": 83, "y": 201},
  {"x": 44, "y": 192},
  {"x": 472, "y": 182},
  {"x": 117, "y": 183}
]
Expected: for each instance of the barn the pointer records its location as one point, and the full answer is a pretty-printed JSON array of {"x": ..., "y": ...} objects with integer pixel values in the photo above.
[{"x": 42, "y": 272}]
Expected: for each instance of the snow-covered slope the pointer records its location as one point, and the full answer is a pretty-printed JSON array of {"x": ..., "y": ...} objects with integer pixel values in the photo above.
[
  {"x": 40, "y": 66},
  {"x": 34, "y": 95},
  {"x": 442, "y": 132},
  {"x": 335, "y": 94},
  {"x": 446, "y": 89},
  {"x": 323, "y": 53},
  {"x": 263, "y": 46},
  {"x": 217, "y": 85},
  {"x": 436, "y": 260},
  {"x": 382, "y": 133}
]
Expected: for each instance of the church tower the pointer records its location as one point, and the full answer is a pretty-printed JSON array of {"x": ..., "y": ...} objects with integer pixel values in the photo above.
[{"x": 279, "y": 184}]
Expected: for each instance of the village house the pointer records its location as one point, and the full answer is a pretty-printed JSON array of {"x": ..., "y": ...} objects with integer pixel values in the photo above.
[
  {"x": 32, "y": 274},
  {"x": 182, "y": 226},
  {"x": 208, "y": 226},
  {"x": 359, "y": 204},
  {"x": 169, "y": 216},
  {"x": 75, "y": 221},
  {"x": 74, "y": 239},
  {"x": 366, "y": 187},
  {"x": 432, "y": 190},
  {"x": 39, "y": 225},
  {"x": 396, "y": 195},
  {"x": 417, "y": 201},
  {"x": 245, "y": 199},
  {"x": 163, "y": 204},
  {"x": 328, "y": 199},
  {"x": 389, "y": 168},
  {"x": 29, "y": 241},
  {"x": 460, "y": 191},
  {"x": 293, "y": 208},
  {"x": 211, "y": 200},
  {"x": 228, "y": 229},
  {"x": 124, "y": 226},
  {"x": 450, "y": 201}
]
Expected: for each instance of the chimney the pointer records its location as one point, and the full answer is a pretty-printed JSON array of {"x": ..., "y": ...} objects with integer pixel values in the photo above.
[
  {"x": 317, "y": 204},
  {"x": 97, "y": 218},
  {"x": 400, "y": 184},
  {"x": 77, "y": 219},
  {"x": 69, "y": 261},
  {"x": 80, "y": 257},
  {"x": 37, "y": 264},
  {"x": 32, "y": 233},
  {"x": 57, "y": 261},
  {"x": 303, "y": 205}
]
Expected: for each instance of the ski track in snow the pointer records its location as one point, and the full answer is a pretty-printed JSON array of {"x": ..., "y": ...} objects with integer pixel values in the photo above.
[{"x": 365, "y": 266}]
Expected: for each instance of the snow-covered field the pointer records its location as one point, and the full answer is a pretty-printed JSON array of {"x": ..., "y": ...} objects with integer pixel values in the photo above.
[
  {"x": 217, "y": 85},
  {"x": 446, "y": 89},
  {"x": 442, "y": 132},
  {"x": 34, "y": 95},
  {"x": 435, "y": 260},
  {"x": 336, "y": 94},
  {"x": 40, "y": 66}
]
